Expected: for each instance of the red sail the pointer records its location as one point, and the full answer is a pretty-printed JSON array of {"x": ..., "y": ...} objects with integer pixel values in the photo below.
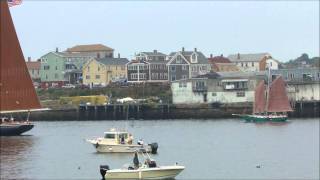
[
  {"x": 278, "y": 100},
  {"x": 16, "y": 88},
  {"x": 259, "y": 105}
]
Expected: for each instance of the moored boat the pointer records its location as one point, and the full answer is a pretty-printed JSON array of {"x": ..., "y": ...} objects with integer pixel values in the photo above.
[
  {"x": 117, "y": 141},
  {"x": 17, "y": 93},
  {"x": 271, "y": 103},
  {"x": 148, "y": 170}
]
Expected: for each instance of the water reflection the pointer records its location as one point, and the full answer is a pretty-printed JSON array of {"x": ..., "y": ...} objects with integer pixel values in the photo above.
[{"x": 14, "y": 155}]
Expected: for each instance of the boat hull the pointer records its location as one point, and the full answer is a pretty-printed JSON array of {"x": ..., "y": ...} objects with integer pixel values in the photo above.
[
  {"x": 263, "y": 118},
  {"x": 103, "y": 148},
  {"x": 168, "y": 172},
  {"x": 14, "y": 129}
]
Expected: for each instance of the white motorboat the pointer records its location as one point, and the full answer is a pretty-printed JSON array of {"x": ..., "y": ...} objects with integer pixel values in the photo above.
[
  {"x": 121, "y": 142},
  {"x": 148, "y": 170}
]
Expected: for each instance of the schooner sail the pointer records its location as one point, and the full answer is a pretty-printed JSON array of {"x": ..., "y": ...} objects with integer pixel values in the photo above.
[
  {"x": 271, "y": 105},
  {"x": 17, "y": 93}
]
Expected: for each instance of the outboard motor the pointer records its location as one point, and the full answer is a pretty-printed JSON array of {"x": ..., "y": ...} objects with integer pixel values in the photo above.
[
  {"x": 154, "y": 148},
  {"x": 103, "y": 170}
]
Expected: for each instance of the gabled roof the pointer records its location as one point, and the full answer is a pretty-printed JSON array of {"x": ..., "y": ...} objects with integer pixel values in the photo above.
[
  {"x": 219, "y": 59},
  {"x": 257, "y": 57},
  {"x": 187, "y": 55},
  {"x": 113, "y": 61},
  {"x": 153, "y": 53},
  {"x": 33, "y": 64},
  {"x": 89, "y": 48}
]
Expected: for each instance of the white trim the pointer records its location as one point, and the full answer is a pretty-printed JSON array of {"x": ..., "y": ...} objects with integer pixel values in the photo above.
[
  {"x": 175, "y": 56},
  {"x": 25, "y": 110}
]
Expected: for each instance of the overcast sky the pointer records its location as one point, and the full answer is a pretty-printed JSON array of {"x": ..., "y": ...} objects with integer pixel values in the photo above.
[{"x": 285, "y": 29}]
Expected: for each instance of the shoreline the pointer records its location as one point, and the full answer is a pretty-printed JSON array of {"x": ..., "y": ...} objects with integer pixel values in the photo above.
[{"x": 162, "y": 112}]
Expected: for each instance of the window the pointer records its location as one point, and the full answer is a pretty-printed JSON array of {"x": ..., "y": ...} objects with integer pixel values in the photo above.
[
  {"x": 194, "y": 58},
  {"x": 88, "y": 68},
  {"x": 252, "y": 64},
  {"x": 98, "y": 68},
  {"x": 246, "y": 64},
  {"x": 46, "y": 67},
  {"x": 184, "y": 67},
  {"x": 178, "y": 61},
  {"x": 184, "y": 76},
  {"x": 204, "y": 68},
  {"x": 56, "y": 75},
  {"x": 46, "y": 76},
  {"x": 173, "y": 68},
  {"x": 56, "y": 67},
  {"x": 87, "y": 77},
  {"x": 214, "y": 94},
  {"x": 97, "y": 76},
  {"x": 123, "y": 68},
  {"x": 241, "y": 64},
  {"x": 241, "y": 94},
  {"x": 109, "y": 136},
  {"x": 32, "y": 71},
  {"x": 173, "y": 77},
  {"x": 165, "y": 76}
]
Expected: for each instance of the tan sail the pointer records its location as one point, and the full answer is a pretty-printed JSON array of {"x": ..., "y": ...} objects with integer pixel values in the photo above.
[
  {"x": 278, "y": 100},
  {"x": 259, "y": 105},
  {"x": 16, "y": 88}
]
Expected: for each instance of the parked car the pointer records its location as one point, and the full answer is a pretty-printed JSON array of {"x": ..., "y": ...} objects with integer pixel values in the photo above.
[{"x": 69, "y": 86}]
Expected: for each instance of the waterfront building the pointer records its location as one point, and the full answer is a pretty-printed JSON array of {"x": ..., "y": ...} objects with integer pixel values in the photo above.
[
  {"x": 59, "y": 68},
  {"x": 254, "y": 62},
  {"x": 221, "y": 64},
  {"x": 303, "y": 83},
  {"x": 187, "y": 64},
  {"x": 94, "y": 50},
  {"x": 148, "y": 67},
  {"x": 221, "y": 87},
  {"x": 104, "y": 70},
  {"x": 34, "y": 69}
]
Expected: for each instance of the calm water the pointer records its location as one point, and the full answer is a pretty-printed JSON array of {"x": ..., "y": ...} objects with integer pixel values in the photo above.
[{"x": 224, "y": 149}]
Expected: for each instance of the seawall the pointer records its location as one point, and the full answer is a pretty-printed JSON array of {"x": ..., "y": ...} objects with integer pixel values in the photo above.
[{"x": 163, "y": 111}]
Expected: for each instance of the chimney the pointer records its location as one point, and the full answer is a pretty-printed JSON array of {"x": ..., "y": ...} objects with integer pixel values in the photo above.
[
  {"x": 57, "y": 49},
  {"x": 211, "y": 56},
  {"x": 98, "y": 55},
  {"x": 118, "y": 55},
  {"x": 195, "y": 49},
  {"x": 221, "y": 55},
  {"x": 238, "y": 55},
  {"x": 182, "y": 49},
  {"x": 155, "y": 51},
  {"x": 29, "y": 59}
]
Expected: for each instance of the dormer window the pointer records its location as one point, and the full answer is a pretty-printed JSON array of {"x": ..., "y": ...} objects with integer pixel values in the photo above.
[
  {"x": 178, "y": 59},
  {"x": 193, "y": 58}
]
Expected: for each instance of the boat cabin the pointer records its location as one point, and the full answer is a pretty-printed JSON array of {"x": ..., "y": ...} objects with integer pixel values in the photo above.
[{"x": 117, "y": 137}]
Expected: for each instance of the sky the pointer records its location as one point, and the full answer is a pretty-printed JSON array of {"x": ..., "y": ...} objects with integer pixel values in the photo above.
[{"x": 285, "y": 29}]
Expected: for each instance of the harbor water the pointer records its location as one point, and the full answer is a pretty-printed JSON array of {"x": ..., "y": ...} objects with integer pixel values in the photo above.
[{"x": 210, "y": 149}]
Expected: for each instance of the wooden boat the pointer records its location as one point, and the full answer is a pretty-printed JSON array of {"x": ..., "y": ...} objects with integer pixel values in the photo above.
[
  {"x": 148, "y": 170},
  {"x": 120, "y": 141},
  {"x": 270, "y": 104},
  {"x": 17, "y": 93}
]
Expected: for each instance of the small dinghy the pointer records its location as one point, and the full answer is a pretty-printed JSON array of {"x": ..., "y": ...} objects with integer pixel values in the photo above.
[
  {"x": 148, "y": 170},
  {"x": 115, "y": 141}
]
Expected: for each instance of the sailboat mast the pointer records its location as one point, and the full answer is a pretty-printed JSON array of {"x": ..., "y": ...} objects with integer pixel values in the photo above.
[{"x": 268, "y": 88}]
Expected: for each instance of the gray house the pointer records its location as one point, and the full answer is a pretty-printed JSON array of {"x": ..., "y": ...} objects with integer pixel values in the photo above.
[{"x": 187, "y": 64}]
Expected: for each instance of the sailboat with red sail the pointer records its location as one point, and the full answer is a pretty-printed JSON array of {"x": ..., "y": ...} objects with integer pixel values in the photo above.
[
  {"x": 17, "y": 93},
  {"x": 271, "y": 103}
]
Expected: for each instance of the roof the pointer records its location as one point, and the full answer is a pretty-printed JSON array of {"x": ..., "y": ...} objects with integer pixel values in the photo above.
[
  {"x": 247, "y": 57},
  {"x": 226, "y": 67},
  {"x": 65, "y": 54},
  {"x": 153, "y": 53},
  {"x": 33, "y": 64},
  {"x": 219, "y": 59},
  {"x": 89, "y": 48},
  {"x": 187, "y": 54},
  {"x": 239, "y": 74},
  {"x": 211, "y": 75},
  {"x": 113, "y": 61}
]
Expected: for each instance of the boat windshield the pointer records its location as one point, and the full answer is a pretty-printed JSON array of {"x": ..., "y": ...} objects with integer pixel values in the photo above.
[{"x": 109, "y": 136}]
